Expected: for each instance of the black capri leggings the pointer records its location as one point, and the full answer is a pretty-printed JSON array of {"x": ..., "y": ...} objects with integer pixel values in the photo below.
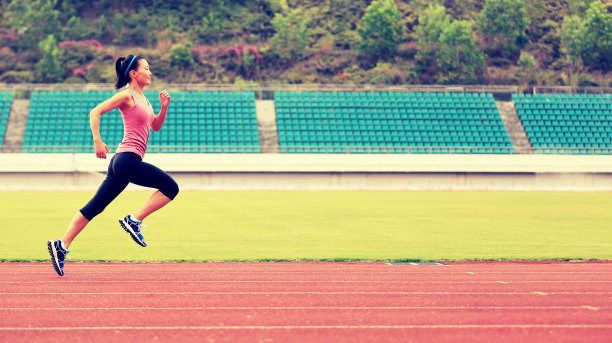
[{"x": 126, "y": 167}]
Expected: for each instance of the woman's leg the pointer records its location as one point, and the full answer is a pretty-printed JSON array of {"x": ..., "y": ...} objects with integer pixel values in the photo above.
[
  {"x": 154, "y": 203},
  {"x": 110, "y": 188},
  {"x": 149, "y": 175},
  {"x": 77, "y": 225}
]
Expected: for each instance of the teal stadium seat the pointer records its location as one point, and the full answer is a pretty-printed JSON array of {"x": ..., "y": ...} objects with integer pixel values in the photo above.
[
  {"x": 567, "y": 123},
  {"x": 210, "y": 122},
  {"x": 58, "y": 122},
  {"x": 390, "y": 122},
  {"x": 198, "y": 122},
  {"x": 6, "y": 99}
]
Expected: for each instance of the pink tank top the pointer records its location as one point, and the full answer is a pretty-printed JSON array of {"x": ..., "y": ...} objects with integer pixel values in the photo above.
[{"x": 136, "y": 123}]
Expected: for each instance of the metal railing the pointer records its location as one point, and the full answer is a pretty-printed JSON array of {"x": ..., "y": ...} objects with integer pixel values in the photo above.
[
  {"x": 571, "y": 90},
  {"x": 262, "y": 91},
  {"x": 327, "y": 149},
  {"x": 267, "y": 90}
]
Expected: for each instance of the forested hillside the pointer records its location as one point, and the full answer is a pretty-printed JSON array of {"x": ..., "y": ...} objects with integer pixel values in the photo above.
[{"x": 518, "y": 42}]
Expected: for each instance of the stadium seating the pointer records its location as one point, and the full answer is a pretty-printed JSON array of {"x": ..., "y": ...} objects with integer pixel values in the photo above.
[
  {"x": 206, "y": 122},
  {"x": 567, "y": 123},
  {"x": 6, "y": 99},
  {"x": 389, "y": 122}
]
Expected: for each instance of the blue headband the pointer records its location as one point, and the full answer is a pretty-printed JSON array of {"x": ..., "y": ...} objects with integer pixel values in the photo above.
[{"x": 129, "y": 65}]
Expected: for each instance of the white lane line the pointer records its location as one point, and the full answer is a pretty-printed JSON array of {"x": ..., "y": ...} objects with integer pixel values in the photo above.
[
  {"x": 304, "y": 281},
  {"x": 315, "y": 327},
  {"x": 289, "y": 308},
  {"x": 305, "y": 292},
  {"x": 377, "y": 276},
  {"x": 315, "y": 264},
  {"x": 368, "y": 272}
]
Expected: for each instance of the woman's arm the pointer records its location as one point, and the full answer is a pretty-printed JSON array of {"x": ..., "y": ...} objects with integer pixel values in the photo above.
[
  {"x": 164, "y": 99},
  {"x": 121, "y": 99}
]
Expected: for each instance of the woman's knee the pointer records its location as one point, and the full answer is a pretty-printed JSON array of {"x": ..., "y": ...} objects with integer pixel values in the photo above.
[
  {"x": 170, "y": 189},
  {"x": 90, "y": 212}
]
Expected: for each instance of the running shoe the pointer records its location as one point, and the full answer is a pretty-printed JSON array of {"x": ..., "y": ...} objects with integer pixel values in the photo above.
[
  {"x": 58, "y": 255},
  {"x": 134, "y": 228}
]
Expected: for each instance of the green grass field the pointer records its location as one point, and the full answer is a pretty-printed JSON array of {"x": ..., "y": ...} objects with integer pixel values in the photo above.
[{"x": 384, "y": 226}]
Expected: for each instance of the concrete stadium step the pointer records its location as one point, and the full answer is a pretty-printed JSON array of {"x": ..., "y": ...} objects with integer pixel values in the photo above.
[
  {"x": 514, "y": 127},
  {"x": 16, "y": 126},
  {"x": 266, "y": 124}
]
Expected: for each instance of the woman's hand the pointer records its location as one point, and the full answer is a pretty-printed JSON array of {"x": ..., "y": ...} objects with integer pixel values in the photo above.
[
  {"x": 164, "y": 99},
  {"x": 101, "y": 149}
]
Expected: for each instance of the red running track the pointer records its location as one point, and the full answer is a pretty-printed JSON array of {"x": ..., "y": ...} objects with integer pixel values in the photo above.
[{"x": 307, "y": 302}]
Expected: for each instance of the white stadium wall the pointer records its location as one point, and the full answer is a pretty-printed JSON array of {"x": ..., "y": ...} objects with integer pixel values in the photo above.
[{"x": 389, "y": 172}]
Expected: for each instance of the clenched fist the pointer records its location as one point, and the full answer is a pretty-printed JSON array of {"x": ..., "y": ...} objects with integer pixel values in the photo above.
[{"x": 164, "y": 98}]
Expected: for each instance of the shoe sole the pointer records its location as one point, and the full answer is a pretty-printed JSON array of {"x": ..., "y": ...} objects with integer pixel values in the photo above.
[
  {"x": 129, "y": 230},
  {"x": 54, "y": 260}
]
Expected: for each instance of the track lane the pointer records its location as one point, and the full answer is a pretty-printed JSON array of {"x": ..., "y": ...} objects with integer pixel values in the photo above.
[
  {"x": 325, "y": 302},
  {"x": 304, "y": 317}
]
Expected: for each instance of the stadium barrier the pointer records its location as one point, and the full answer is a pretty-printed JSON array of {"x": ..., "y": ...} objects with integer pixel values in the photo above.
[
  {"x": 398, "y": 168},
  {"x": 445, "y": 172}
]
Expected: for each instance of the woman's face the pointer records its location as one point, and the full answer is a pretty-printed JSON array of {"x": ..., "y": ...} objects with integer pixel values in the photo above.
[{"x": 142, "y": 74}]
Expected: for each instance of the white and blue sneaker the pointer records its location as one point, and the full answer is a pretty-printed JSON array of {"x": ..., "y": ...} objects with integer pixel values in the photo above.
[
  {"x": 58, "y": 255},
  {"x": 134, "y": 228}
]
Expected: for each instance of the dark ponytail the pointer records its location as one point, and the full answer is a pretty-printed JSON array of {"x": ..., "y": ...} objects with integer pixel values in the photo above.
[{"x": 122, "y": 66}]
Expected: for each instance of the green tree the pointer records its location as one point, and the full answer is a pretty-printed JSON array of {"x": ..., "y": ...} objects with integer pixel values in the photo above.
[
  {"x": 211, "y": 25},
  {"x": 527, "y": 68},
  {"x": 381, "y": 30},
  {"x": 180, "y": 55},
  {"x": 134, "y": 28},
  {"x": 598, "y": 38},
  {"x": 291, "y": 38},
  {"x": 75, "y": 29},
  {"x": 49, "y": 67},
  {"x": 578, "y": 6},
  {"x": 278, "y": 6},
  {"x": 459, "y": 59},
  {"x": 33, "y": 20},
  {"x": 503, "y": 23},
  {"x": 588, "y": 41},
  {"x": 573, "y": 38},
  {"x": 432, "y": 22}
]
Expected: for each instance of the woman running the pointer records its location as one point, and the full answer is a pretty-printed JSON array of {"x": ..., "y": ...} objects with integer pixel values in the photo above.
[{"x": 127, "y": 165}]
